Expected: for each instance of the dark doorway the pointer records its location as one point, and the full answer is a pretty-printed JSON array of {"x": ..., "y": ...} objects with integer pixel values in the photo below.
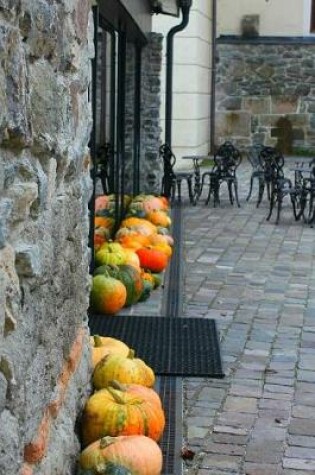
[{"x": 284, "y": 134}]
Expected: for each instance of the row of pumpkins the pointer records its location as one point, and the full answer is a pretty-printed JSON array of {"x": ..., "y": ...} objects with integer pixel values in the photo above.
[
  {"x": 123, "y": 420},
  {"x": 129, "y": 265}
]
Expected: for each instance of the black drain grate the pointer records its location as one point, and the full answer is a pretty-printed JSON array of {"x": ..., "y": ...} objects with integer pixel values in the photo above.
[
  {"x": 173, "y": 302},
  {"x": 170, "y": 391}
]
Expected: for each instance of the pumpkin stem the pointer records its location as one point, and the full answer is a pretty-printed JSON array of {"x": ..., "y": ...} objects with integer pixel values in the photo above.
[
  {"x": 97, "y": 341},
  {"x": 117, "y": 385},
  {"x": 131, "y": 354},
  {"x": 115, "y": 394},
  {"x": 106, "y": 441}
]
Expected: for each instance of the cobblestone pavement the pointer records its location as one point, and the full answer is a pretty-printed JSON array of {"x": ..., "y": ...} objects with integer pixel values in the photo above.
[{"x": 257, "y": 280}]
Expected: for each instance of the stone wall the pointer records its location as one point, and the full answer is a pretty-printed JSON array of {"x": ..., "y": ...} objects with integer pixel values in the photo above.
[
  {"x": 45, "y": 122},
  {"x": 151, "y": 164},
  {"x": 150, "y": 130},
  {"x": 265, "y": 93}
]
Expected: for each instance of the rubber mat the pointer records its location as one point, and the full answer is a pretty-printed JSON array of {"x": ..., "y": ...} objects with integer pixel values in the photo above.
[{"x": 171, "y": 346}]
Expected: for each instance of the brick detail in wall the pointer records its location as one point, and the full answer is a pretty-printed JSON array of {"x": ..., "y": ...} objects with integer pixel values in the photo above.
[{"x": 36, "y": 449}]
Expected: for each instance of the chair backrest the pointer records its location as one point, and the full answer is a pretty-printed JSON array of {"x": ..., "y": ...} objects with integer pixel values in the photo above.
[
  {"x": 272, "y": 162},
  {"x": 169, "y": 175},
  {"x": 227, "y": 158},
  {"x": 168, "y": 158},
  {"x": 103, "y": 154},
  {"x": 252, "y": 154}
]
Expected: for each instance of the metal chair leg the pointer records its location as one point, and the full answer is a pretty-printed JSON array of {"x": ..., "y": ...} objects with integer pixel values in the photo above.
[
  {"x": 229, "y": 184},
  {"x": 271, "y": 206},
  {"x": 280, "y": 199},
  {"x": 190, "y": 191},
  {"x": 250, "y": 188},
  {"x": 179, "y": 190},
  {"x": 236, "y": 193},
  {"x": 261, "y": 190}
]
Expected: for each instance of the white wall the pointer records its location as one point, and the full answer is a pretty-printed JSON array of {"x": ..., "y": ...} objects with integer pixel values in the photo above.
[
  {"x": 191, "y": 80},
  {"x": 277, "y": 17}
]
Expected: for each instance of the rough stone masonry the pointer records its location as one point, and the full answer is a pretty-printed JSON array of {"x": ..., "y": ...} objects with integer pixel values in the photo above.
[{"x": 45, "y": 122}]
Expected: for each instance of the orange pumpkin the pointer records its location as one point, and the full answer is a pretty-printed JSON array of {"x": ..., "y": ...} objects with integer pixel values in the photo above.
[
  {"x": 104, "y": 222},
  {"x": 116, "y": 412},
  {"x": 103, "y": 346},
  {"x": 142, "y": 226},
  {"x": 125, "y": 369},
  {"x": 131, "y": 258},
  {"x": 110, "y": 253},
  {"x": 164, "y": 248},
  {"x": 156, "y": 239},
  {"x": 108, "y": 295},
  {"x": 159, "y": 218},
  {"x": 152, "y": 259},
  {"x": 148, "y": 277},
  {"x": 152, "y": 203},
  {"x": 138, "y": 390},
  {"x": 124, "y": 455},
  {"x": 132, "y": 240},
  {"x": 101, "y": 202},
  {"x": 99, "y": 239}
]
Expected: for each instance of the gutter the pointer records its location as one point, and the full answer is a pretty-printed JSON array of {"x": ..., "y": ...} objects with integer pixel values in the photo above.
[
  {"x": 185, "y": 8},
  {"x": 213, "y": 75}
]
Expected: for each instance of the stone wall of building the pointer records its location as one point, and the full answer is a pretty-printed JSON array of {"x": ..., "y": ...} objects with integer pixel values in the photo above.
[
  {"x": 265, "y": 93},
  {"x": 151, "y": 164},
  {"x": 45, "y": 122}
]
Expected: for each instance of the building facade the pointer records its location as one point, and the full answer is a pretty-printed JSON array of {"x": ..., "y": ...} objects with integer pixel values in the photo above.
[
  {"x": 256, "y": 87},
  {"x": 264, "y": 89}
]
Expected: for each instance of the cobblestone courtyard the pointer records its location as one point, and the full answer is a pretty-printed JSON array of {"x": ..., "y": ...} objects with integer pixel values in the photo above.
[{"x": 258, "y": 281}]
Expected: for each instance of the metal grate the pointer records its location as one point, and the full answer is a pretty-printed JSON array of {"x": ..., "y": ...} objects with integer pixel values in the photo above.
[
  {"x": 170, "y": 390},
  {"x": 174, "y": 284}
]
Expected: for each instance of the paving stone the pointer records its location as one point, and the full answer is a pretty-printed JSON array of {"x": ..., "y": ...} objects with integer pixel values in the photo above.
[
  {"x": 223, "y": 462},
  {"x": 260, "y": 468},
  {"x": 230, "y": 430},
  {"x": 302, "y": 427},
  {"x": 299, "y": 464},
  {"x": 236, "y": 419},
  {"x": 240, "y": 404},
  {"x": 302, "y": 441},
  {"x": 300, "y": 453},
  {"x": 304, "y": 412},
  {"x": 229, "y": 438},
  {"x": 264, "y": 451},
  {"x": 296, "y": 472},
  {"x": 196, "y": 432},
  {"x": 228, "y": 449}
]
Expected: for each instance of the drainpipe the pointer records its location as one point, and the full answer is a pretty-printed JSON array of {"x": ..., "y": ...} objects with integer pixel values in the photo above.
[
  {"x": 185, "y": 7},
  {"x": 213, "y": 75}
]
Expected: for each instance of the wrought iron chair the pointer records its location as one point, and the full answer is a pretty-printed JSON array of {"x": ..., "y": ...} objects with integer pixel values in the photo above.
[
  {"x": 102, "y": 166},
  {"x": 281, "y": 186},
  {"x": 257, "y": 170},
  {"x": 308, "y": 185},
  {"x": 226, "y": 161},
  {"x": 172, "y": 180}
]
